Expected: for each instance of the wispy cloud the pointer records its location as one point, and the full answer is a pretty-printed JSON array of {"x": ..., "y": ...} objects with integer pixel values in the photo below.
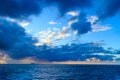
[
  {"x": 96, "y": 26},
  {"x": 62, "y": 33},
  {"x": 22, "y": 23},
  {"x": 49, "y": 36},
  {"x": 52, "y": 22},
  {"x": 73, "y": 13}
]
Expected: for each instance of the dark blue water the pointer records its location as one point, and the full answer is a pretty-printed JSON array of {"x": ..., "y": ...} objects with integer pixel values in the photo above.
[{"x": 59, "y": 72}]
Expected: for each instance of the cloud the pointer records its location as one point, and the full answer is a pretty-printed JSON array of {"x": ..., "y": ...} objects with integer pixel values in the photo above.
[
  {"x": 62, "y": 33},
  {"x": 7, "y": 31},
  {"x": 69, "y": 7},
  {"x": 74, "y": 52},
  {"x": 84, "y": 52},
  {"x": 19, "y": 45},
  {"x": 19, "y": 8},
  {"x": 49, "y": 36},
  {"x": 98, "y": 28},
  {"x": 92, "y": 19},
  {"x": 109, "y": 9},
  {"x": 73, "y": 13},
  {"x": 88, "y": 62},
  {"x": 82, "y": 26},
  {"x": 65, "y": 6},
  {"x": 14, "y": 40},
  {"x": 22, "y": 23},
  {"x": 52, "y": 22},
  {"x": 2, "y": 58}
]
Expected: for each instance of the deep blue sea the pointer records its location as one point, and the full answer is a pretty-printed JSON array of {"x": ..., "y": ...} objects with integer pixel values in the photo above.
[{"x": 59, "y": 72}]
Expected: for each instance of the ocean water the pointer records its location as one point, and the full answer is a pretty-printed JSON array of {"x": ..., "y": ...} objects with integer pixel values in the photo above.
[{"x": 59, "y": 72}]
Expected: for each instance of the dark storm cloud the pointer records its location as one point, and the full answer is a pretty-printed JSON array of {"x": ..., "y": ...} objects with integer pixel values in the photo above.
[
  {"x": 82, "y": 26},
  {"x": 72, "y": 52},
  {"x": 25, "y": 8},
  {"x": 19, "y": 8},
  {"x": 105, "y": 8},
  {"x": 22, "y": 49},
  {"x": 109, "y": 8},
  {"x": 65, "y": 6},
  {"x": 14, "y": 40},
  {"x": 10, "y": 33}
]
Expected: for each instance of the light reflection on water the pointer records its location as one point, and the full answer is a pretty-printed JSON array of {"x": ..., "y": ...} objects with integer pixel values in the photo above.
[{"x": 59, "y": 72}]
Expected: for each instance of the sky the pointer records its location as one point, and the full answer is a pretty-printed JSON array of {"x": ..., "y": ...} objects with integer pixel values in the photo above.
[{"x": 59, "y": 31}]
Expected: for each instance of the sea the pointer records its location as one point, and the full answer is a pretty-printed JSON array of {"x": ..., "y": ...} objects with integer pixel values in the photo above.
[{"x": 59, "y": 72}]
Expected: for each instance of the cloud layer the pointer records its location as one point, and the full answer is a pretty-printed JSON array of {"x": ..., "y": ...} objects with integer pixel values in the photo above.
[{"x": 17, "y": 44}]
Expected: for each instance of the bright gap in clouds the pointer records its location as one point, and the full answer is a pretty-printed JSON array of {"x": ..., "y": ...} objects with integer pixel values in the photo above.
[{"x": 49, "y": 28}]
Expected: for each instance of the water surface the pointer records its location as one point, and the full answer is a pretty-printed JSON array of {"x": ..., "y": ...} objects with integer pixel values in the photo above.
[{"x": 59, "y": 72}]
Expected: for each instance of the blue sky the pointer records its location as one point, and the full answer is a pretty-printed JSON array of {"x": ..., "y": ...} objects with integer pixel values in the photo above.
[{"x": 59, "y": 31}]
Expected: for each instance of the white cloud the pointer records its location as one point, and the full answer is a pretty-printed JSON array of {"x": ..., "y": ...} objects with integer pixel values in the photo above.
[
  {"x": 92, "y": 19},
  {"x": 98, "y": 28},
  {"x": 116, "y": 56},
  {"x": 23, "y": 24},
  {"x": 63, "y": 33},
  {"x": 94, "y": 59},
  {"x": 50, "y": 35},
  {"x": 73, "y": 13},
  {"x": 45, "y": 37},
  {"x": 52, "y": 22},
  {"x": 71, "y": 22}
]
